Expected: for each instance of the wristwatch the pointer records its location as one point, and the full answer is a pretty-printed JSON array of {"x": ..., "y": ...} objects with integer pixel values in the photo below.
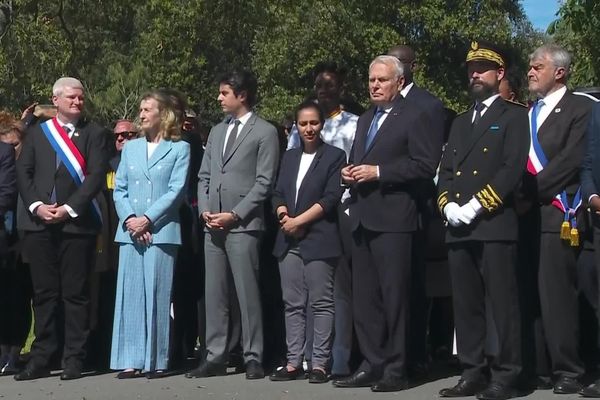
[{"x": 235, "y": 216}]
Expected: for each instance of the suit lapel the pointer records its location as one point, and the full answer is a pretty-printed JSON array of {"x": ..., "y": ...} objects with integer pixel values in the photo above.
[
  {"x": 246, "y": 129},
  {"x": 487, "y": 119},
  {"x": 311, "y": 168},
  {"x": 555, "y": 114},
  {"x": 386, "y": 126},
  {"x": 163, "y": 148}
]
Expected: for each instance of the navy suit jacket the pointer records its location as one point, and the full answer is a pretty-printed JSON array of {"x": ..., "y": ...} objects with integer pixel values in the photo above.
[
  {"x": 590, "y": 170},
  {"x": 321, "y": 184},
  {"x": 406, "y": 156}
]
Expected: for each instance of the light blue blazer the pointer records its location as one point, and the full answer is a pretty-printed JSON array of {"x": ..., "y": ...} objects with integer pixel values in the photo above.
[{"x": 153, "y": 187}]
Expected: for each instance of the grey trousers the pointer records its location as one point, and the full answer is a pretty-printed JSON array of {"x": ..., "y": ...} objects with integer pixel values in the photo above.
[
  {"x": 239, "y": 253},
  {"x": 307, "y": 285}
]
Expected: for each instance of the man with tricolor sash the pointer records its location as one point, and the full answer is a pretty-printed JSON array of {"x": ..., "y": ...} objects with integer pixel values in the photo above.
[
  {"x": 480, "y": 171},
  {"x": 60, "y": 171},
  {"x": 558, "y": 120}
]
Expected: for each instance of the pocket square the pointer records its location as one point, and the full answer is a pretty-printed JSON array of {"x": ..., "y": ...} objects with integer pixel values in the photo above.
[{"x": 494, "y": 128}]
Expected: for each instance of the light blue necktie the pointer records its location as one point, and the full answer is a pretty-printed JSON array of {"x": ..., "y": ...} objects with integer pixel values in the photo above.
[
  {"x": 374, "y": 128},
  {"x": 534, "y": 115}
]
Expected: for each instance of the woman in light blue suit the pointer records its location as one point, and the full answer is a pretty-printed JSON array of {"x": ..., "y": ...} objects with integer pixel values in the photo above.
[{"x": 149, "y": 187}]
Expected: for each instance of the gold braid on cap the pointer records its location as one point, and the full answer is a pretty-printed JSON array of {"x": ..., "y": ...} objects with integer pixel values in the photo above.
[{"x": 485, "y": 54}]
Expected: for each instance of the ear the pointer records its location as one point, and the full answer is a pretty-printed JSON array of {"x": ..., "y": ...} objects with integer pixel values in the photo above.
[
  {"x": 400, "y": 82},
  {"x": 55, "y": 100},
  {"x": 500, "y": 72},
  {"x": 243, "y": 96},
  {"x": 559, "y": 74}
]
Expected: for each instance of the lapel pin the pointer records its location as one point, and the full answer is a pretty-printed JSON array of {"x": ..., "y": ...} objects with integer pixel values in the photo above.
[{"x": 557, "y": 110}]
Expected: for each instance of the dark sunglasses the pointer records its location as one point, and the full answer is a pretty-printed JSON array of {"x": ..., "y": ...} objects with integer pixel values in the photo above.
[{"x": 126, "y": 135}]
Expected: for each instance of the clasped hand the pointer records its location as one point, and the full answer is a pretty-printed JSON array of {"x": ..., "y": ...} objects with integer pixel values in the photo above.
[
  {"x": 51, "y": 213},
  {"x": 139, "y": 229},
  {"x": 359, "y": 173},
  {"x": 291, "y": 227},
  {"x": 459, "y": 215},
  {"x": 219, "y": 221}
]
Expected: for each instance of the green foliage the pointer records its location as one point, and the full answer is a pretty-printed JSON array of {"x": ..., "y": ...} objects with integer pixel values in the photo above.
[
  {"x": 578, "y": 29},
  {"x": 120, "y": 49}
]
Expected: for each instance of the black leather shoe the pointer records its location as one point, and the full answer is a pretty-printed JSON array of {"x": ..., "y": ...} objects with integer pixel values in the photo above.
[
  {"x": 70, "y": 373},
  {"x": 282, "y": 374},
  {"x": 254, "y": 370},
  {"x": 567, "y": 385},
  {"x": 30, "y": 373},
  {"x": 463, "y": 388},
  {"x": 356, "y": 380},
  {"x": 161, "y": 373},
  {"x": 390, "y": 384},
  {"x": 206, "y": 369},
  {"x": 317, "y": 376},
  {"x": 592, "y": 390},
  {"x": 496, "y": 391}
]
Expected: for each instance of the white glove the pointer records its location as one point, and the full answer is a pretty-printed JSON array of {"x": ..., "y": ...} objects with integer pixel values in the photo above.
[
  {"x": 469, "y": 211},
  {"x": 453, "y": 214}
]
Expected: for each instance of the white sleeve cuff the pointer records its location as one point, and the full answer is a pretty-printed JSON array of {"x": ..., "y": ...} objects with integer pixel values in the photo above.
[
  {"x": 35, "y": 205},
  {"x": 477, "y": 207},
  {"x": 378, "y": 175},
  {"x": 71, "y": 212}
]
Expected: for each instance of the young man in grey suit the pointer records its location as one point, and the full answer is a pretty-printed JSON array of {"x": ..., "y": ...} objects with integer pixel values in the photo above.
[{"x": 236, "y": 177}]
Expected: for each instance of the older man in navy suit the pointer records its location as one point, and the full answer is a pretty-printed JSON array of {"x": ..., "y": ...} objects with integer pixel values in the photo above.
[{"x": 392, "y": 153}]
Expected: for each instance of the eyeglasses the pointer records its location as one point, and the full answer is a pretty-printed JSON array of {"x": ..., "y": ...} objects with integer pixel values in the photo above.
[{"x": 126, "y": 135}]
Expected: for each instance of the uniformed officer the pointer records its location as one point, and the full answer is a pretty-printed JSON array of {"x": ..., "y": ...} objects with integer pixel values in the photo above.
[{"x": 480, "y": 170}]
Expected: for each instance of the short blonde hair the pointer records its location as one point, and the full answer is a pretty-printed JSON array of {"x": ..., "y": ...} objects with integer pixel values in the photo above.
[{"x": 170, "y": 116}]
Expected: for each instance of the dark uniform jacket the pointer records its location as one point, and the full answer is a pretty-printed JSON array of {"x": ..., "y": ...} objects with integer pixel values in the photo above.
[
  {"x": 562, "y": 137},
  {"x": 485, "y": 161}
]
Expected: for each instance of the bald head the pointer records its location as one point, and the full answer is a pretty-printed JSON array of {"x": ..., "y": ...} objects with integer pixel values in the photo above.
[{"x": 407, "y": 56}]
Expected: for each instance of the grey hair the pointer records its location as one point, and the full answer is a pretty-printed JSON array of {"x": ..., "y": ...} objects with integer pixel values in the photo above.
[
  {"x": 559, "y": 56},
  {"x": 65, "y": 82},
  {"x": 390, "y": 61}
]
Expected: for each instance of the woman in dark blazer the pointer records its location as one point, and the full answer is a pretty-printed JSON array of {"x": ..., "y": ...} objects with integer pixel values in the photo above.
[{"x": 308, "y": 246}]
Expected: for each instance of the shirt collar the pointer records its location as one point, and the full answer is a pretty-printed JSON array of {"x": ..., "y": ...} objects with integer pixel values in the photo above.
[
  {"x": 553, "y": 98},
  {"x": 243, "y": 119},
  {"x": 68, "y": 124},
  {"x": 488, "y": 102},
  {"x": 406, "y": 89}
]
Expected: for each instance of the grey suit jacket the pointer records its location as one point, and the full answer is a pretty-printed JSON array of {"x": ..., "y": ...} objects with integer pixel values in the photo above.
[{"x": 244, "y": 180}]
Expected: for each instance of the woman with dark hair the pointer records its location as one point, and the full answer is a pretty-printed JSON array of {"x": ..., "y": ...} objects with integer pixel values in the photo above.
[
  {"x": 308, "y": 246},
  {"x": 149, "y": 187}
]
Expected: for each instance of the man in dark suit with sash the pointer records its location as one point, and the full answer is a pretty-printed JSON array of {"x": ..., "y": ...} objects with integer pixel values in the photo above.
[
  {"x": 558, "y": 119},
  {"x": 481, "y": 168},
  {"x": 392, "y": 153},
  {"x": 59, "y": 173}
]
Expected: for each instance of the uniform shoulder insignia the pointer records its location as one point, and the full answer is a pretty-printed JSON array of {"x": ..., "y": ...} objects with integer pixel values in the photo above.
[{"x": 516, "y": 103}]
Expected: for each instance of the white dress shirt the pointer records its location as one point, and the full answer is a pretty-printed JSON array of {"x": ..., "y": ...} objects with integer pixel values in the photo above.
[{"x": 243, "y": 121}]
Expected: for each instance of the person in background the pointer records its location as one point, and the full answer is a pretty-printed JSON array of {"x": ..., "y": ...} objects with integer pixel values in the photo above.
[
  {"x": 15, "y": 316},
  {"x": 308, "y": 246},
  {"x": 149, "y": 188}
]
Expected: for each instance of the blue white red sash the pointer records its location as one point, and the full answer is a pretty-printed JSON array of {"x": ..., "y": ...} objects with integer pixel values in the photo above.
[
  {"x": 69, "y": 155},
  {"x": 535, "y": 164}
]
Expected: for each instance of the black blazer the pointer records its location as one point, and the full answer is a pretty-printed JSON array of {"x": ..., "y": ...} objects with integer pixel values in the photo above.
[
  {"x": 590, "y": 170},
  {"x": 406, "y": 156},
  {"x": 321, "y": 184},
  {"x": 37, "y": 175},
  {"x": 562, "y": 137},
  {"x": 8, "y": 180},
  {"x": 486, "y": 162}
]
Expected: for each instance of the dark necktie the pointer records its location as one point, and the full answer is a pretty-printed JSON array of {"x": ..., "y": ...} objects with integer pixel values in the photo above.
[
  {"x": 479, "y": 107},
  {"x": 231, "y": 139},
  {"x": 374, "y": 128}
]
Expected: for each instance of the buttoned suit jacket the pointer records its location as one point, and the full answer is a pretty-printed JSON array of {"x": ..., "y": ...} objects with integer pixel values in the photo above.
[
  {"x": 406, "y": 156},
  {"x": 244, "y": 179},
  {"x": 37, "y": 175},
  {"x": 153, "y": 186},
  {"x": 485, "y": 161},
  {"x": 562, "y": 138},
  {"x": 590, "y": 170}
]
